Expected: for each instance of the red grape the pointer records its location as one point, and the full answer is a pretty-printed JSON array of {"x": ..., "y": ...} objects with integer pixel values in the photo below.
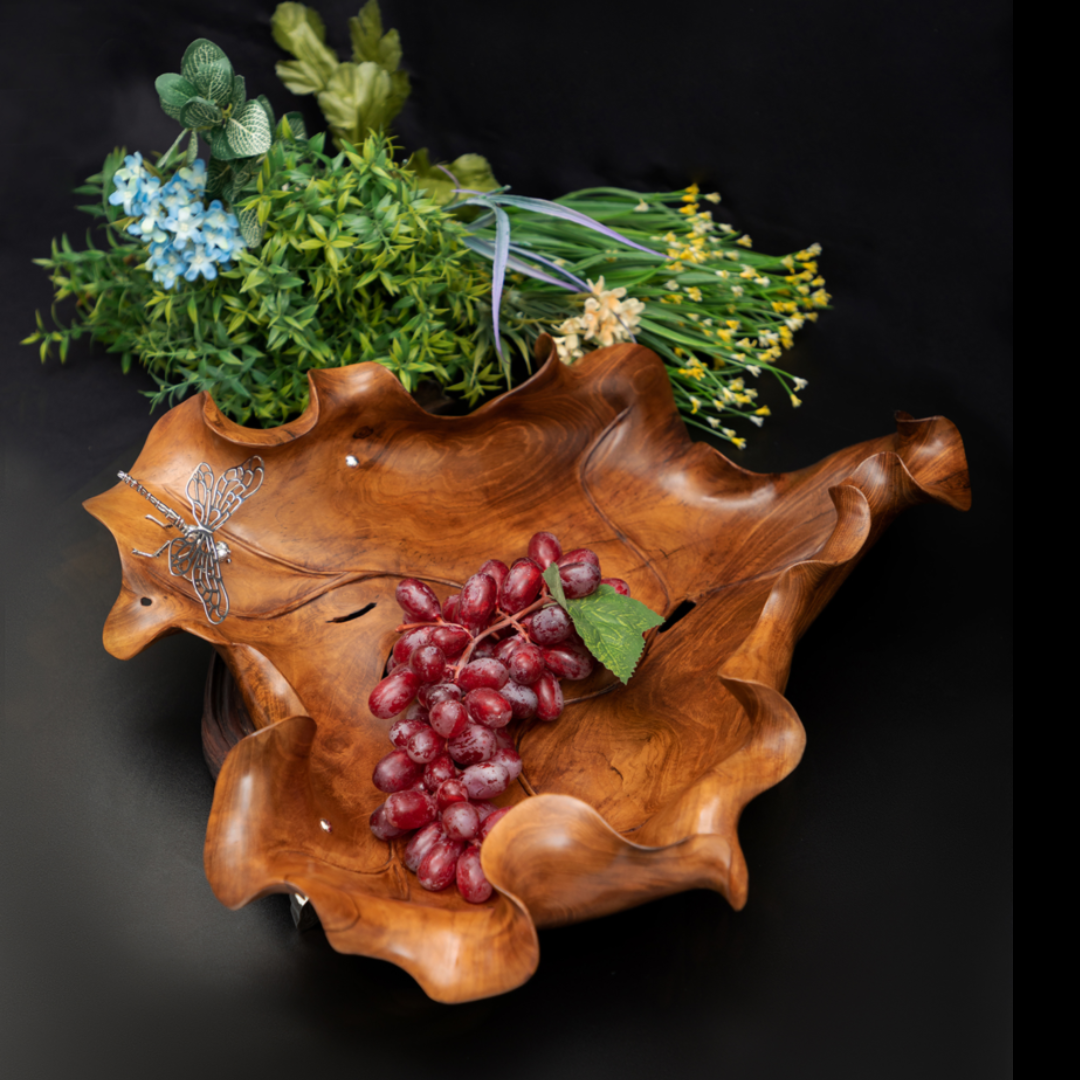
[
  {"x": 483, "y": 781},
  {"x": 550, "y": 625},
  {"x": 526, "y": 665},
  {"x": 617, "y": 584},
  {"x": 448, "y": 718},
  {"x": 507, "y": 648},
  {"x": 473, "y": 745},
  {"x": 451, "y": 639},
  {"x": 579, "y": 579},
  {"x": 450, "y": 791},
  {"x": 492, "y": 820},
  {"x": 417, "y": 600},
  {"x": 495, "y": 570},
  {"x": 429, "y": 663},
  {"x": 439, "y": 866},
  {"x": 381, "y": 827},
  {"x": 420, "y": 845},
  {"x": 521, "y": 587},
  {"x": 410, "y": 809},
  {"x": 485, "y": 650},
  {"x": 488, "y": 707},
  {"x": 489, "y": 674},
  {"x": 438, "y": 772},
  {"x": 410, "y": 640},
  {"x": 569, "y": 661},
  {"x": 392, "y": 695},
  {"x": 477, "y": 601},
  {"x": 510, "y": 759},
  {"x": 544, "y": 549},
  {"x": 396, "y": 772},
  {"x": 403, "y": 730},
  {"x": 580, "y": 555},
  {"x": 425, "y": 746},
  {"x": 450, "y": 607},
  {"x": 549, "y": 697},
  {"x": 460, "y": 820},
  {"x": 522, "y": 700},
  {"x": 471, "y": 881},
  {"x": 444, "y": 691}
]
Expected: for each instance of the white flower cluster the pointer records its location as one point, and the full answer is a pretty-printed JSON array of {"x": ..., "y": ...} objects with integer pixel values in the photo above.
[{"x": 606, "y": 320}]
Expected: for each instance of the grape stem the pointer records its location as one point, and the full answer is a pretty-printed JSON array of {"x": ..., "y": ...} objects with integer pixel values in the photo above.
[{"x": 508, "y": 620}]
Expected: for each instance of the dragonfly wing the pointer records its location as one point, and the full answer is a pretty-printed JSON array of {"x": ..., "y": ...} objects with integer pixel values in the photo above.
[
  {"x": 236, "y": 484},
  {"x": 182, "y": 554},
  {"x": 206, "y": 577},
  {"x": 200, "y": 490}
]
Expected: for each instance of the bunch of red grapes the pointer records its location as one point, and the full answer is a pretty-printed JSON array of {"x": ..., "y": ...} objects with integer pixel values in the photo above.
[{"x": 461, "y": 671}]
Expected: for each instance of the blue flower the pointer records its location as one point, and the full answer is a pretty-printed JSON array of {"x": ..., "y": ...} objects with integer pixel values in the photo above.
[
  {"x": 194, "y": 175},
  {"x": 128, "y": 181},
  {"x": 200, "y": 262}
]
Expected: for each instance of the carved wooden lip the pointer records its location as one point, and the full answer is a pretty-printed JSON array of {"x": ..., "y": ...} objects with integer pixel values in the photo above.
[{"x": 637, "y": 791}]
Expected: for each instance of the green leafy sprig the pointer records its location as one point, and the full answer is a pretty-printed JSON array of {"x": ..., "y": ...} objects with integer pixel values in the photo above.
[{"x": 611, "y": 625}]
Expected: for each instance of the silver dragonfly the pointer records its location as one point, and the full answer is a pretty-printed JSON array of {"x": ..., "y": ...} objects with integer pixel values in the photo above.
[{"x": 196, "y": 554}]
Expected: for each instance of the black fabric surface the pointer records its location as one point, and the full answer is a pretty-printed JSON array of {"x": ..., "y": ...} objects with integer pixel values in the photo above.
[{"x": 877, "y": 938}]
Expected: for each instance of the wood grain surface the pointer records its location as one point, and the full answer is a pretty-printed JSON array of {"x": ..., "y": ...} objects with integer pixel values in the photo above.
[{"x": 635, "y": 792}]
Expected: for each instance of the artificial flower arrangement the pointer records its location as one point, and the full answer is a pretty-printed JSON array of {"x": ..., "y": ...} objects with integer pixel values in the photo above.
[{"x": 241, "y": 272}]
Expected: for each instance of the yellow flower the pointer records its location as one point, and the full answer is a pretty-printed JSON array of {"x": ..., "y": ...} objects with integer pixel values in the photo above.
[
  {"x": 809, "y": 253},
  {"x": 641, "y": 207},
  {"x": 801, "y": 384},
  {"x": 753, "y": 369},
  {"x": 712, "y": 420},
  {"x": 714, "y": 197},
  {"x": 671, "y": 283},
  {"x": 736, "y": 290},
  {"x": 691, "y": 209},
  {"x": 761, "y": 281},
  {"x": 729, "y": 432},
  {"x": 803, "y": 290},
  {"x": 756, "y": 420},
  {"x": 694, "y": 293},
  {"x": 821, "y": 298},
  {"x": 696, "y": 405},
  {"x": 722, "y": 274},
  {"x": 812, "y": 316},
  {"x": 763, "y": 411},
  {"x": 679, "y": 351},
  {"x": 745, "y": 241},
  {"x": 810, "y": 268},
  {"x": 734, "y": 324},
  {"x": 693, "y": 372},
  {"x": 818, "y": 282},
  {"x": 725, "y": 227},
  {"x": 748, "y": 272},
  {"x": 789, "y": 262},
  {"x": 691, "y": 193},
  {"x": 795, "y": 402},
  {"x": 724, "y": 335},
  {"x": 737, "y": 384}
]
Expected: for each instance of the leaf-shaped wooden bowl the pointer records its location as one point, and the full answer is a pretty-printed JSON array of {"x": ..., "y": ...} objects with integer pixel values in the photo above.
[{"x": 635, "y": 792}]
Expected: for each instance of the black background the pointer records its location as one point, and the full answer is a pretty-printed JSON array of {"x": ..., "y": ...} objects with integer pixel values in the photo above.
[{"x": 877, "y": 938}]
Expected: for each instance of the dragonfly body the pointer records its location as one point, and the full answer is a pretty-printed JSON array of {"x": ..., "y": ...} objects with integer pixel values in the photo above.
[{"x": 196, "y": 554}]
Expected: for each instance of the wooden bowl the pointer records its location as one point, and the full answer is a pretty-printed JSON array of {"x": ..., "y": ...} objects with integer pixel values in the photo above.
[{"x": 635, "y": 792}]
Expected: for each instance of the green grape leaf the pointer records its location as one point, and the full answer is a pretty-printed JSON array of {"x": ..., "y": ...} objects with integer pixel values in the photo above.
[
  {"x": 250, "y": 228},
  {"x": 199, "y": 114},
  {"x": 249, "y": 131},
  {"x": 208, "y": 68},
  {"x": 470, "y": 170},
  {"x": 356, "y": 100},
  {"x": 370, "y": 43},
  {"x": 611, "y": 625},
  {"x": 299, "y": 77},
  {"x": 238, "y": 94},
  {"x": 300, "y": 31},
  {"x": 174, "y": 90}
]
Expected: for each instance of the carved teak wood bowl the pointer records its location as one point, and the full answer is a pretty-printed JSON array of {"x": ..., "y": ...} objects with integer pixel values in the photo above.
[{"x": 634, "y": 793}]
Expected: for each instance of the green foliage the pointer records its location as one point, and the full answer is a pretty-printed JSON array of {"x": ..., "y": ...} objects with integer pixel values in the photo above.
[
  {"x": 356, "y": 97},
  {"x": 355, "y": 264},
  {"x": 611, "y": 625},
  {"x": 209, "y": 98},
  {"x": 470, "y": 171}
]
